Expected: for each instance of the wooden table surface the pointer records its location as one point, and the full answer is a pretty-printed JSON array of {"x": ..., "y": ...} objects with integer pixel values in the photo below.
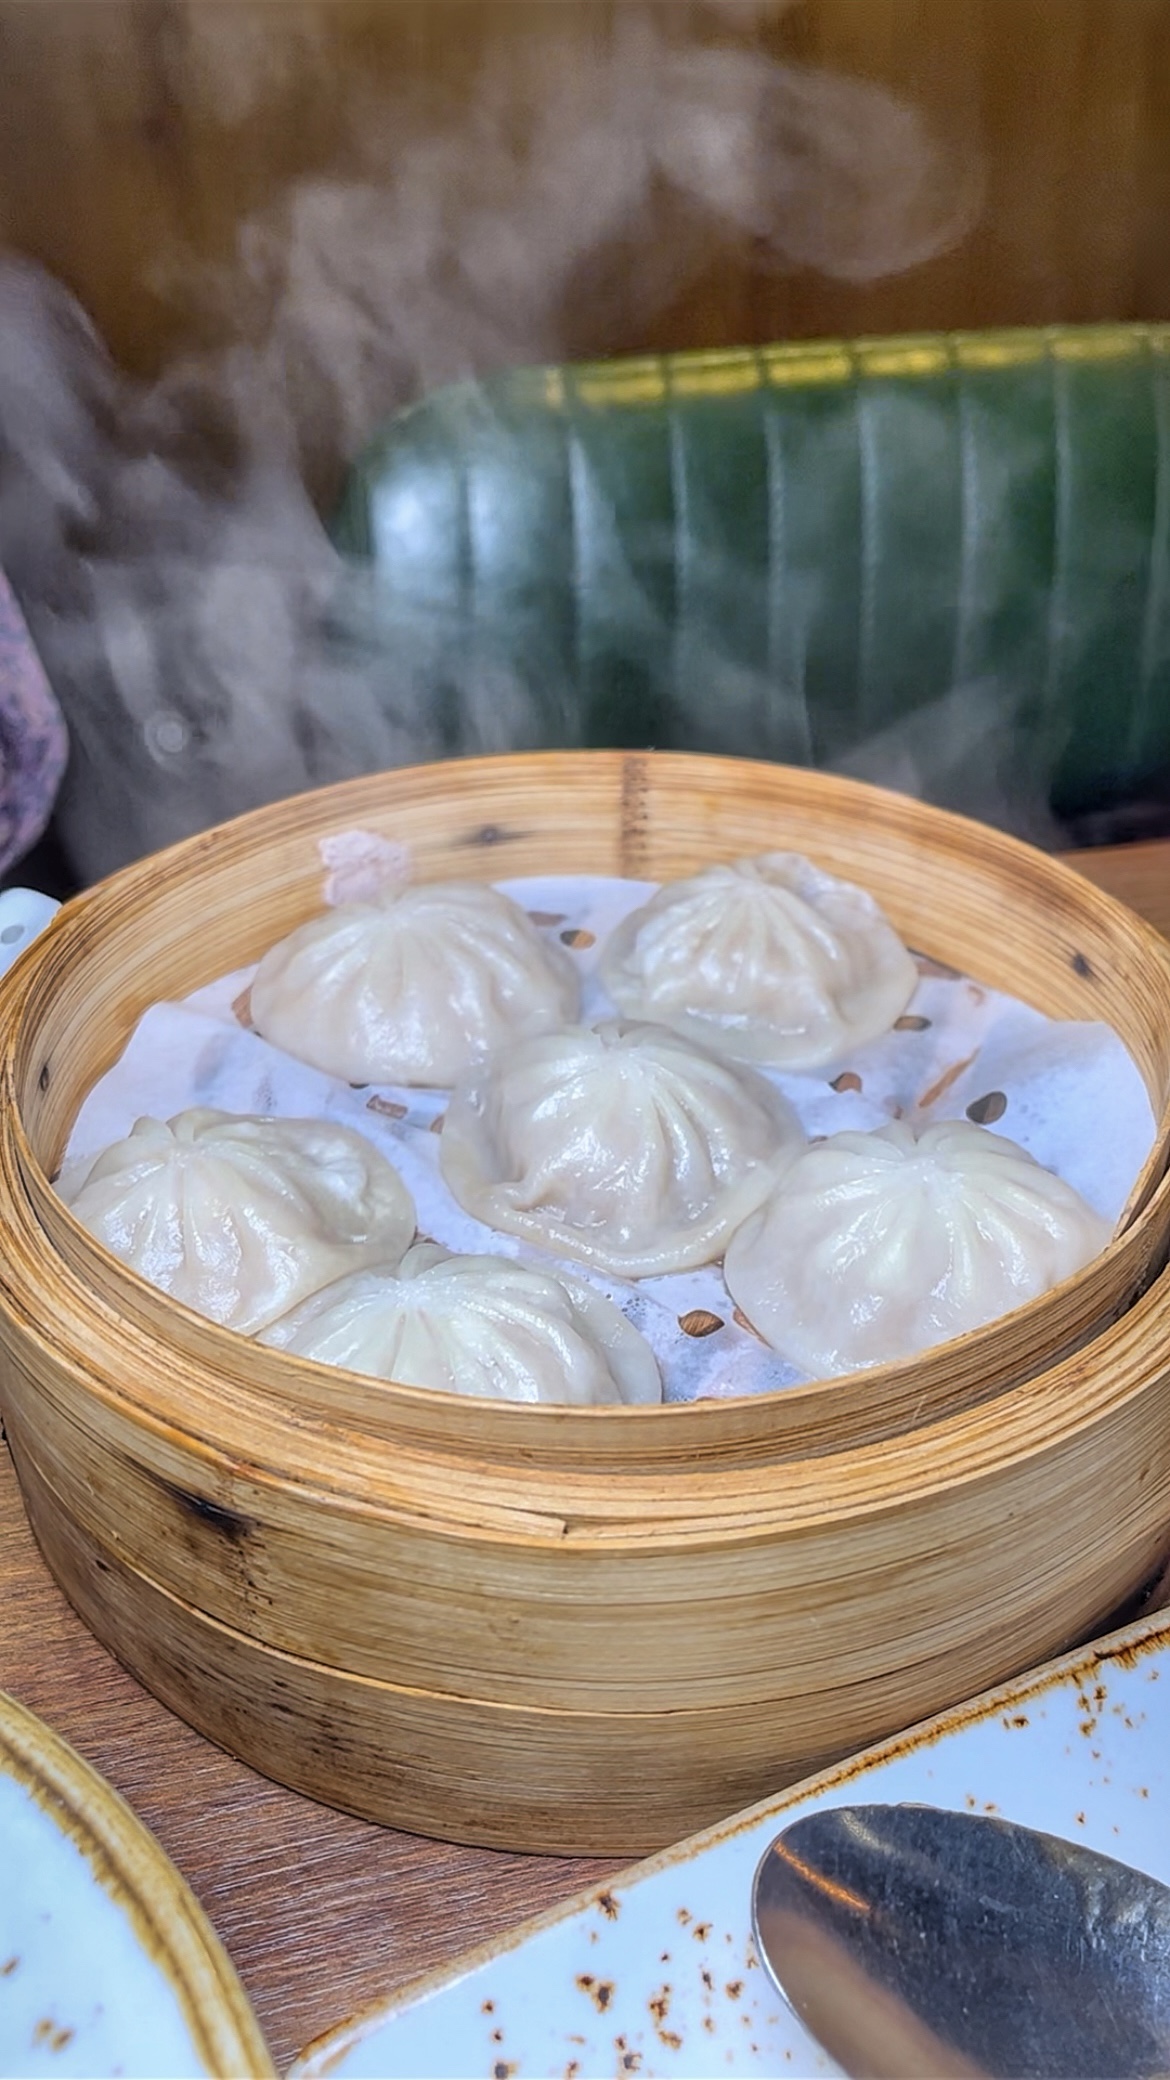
[{"x": 320, "y": 1913}]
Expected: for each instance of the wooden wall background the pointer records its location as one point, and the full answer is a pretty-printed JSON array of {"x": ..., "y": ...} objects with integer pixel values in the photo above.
[{"x": 136, "y": 135}]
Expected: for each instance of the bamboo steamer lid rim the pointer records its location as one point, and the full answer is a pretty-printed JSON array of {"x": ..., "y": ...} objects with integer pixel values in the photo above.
[
  {"x": 1066, "y": 1407},
  {"x": 27, "y": 995},
  {"x": 252, "y": 1442}
]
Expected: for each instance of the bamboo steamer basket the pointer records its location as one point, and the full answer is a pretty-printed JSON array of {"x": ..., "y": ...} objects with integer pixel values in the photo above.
[{"x": 580, "y": 1630}]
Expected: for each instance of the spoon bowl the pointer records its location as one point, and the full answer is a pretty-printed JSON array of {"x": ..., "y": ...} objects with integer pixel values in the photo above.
[{"x": 915, "y": 1942}]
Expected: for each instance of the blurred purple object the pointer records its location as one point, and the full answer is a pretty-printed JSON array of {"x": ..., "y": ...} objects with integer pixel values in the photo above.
[{"x": 33, "y": 742}]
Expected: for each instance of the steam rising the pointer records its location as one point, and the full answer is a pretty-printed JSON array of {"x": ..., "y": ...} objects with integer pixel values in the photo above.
[{"x": 163, "y": 538}]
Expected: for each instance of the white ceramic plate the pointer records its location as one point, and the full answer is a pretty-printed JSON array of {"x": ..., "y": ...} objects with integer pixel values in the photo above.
[
  {"x": 107, "y": 1963},
  {"x": 656, "y": 1974}
]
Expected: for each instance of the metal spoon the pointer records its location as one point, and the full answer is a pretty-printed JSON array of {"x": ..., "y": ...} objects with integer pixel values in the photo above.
[{"x": 920, "y": 1945}]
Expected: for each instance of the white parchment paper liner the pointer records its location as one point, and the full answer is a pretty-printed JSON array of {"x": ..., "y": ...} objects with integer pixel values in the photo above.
[{"x": 1069, "y": 1093}]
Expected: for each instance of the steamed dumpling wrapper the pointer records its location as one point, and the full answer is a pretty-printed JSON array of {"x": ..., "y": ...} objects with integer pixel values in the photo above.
[
  {"x": 240, "y": 1217},
  {"x": 877, "y": 1245},
  {"x": 415, "y": 987},
  {"x": 769, "y": 960},
  {"x": 486, "y": 1326},
  {"x": 622, "y": 1144}
]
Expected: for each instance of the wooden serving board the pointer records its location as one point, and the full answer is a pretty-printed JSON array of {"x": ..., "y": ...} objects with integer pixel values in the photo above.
[{"x": 320, "y": 1913}]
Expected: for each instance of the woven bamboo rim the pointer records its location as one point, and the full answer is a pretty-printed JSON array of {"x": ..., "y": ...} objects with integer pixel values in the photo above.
[
  {"x": 988, "y": 1542},
  {"x": 948, "y": 884},
  {"x": 69, "y": 1380},
  {"x": 208, "y": 1450},
  {"x": 572, "y": 1629},
  {"x": 465, "y": 1769}
]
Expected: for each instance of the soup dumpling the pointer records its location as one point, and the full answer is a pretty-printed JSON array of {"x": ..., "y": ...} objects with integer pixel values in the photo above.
[
  {"x": 240, "y": 1217},
  {"x": 769, "y": 960},
  {"x": 487, "y": 1326},
  {"x": 621, "y": 1144},
  {"x": 877, "y": 1245},
  {"x": 414, "y": 987}
]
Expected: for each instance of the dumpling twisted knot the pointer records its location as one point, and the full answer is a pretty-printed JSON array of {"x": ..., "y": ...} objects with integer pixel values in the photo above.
[
  {"x": 621, "y": 1144},
  {"x": 769, "y": 960},
  {"x": 415, "y": 987},
  {"x": 485, "y": 1326},
  {"x": 877, "y": 1245}
]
